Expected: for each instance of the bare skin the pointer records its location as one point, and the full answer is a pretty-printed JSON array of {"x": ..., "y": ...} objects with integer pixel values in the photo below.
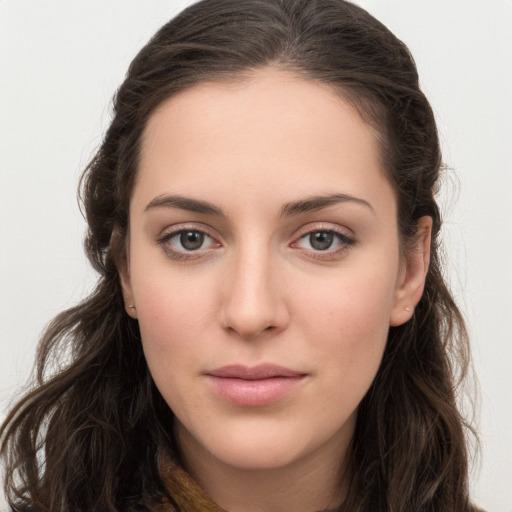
[{"x": 263, "y": 231}]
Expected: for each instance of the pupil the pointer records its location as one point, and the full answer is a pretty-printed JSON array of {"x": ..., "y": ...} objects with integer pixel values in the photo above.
[
  {"x": 321, "y": 240},
  {"x": 191, "y": 240}
]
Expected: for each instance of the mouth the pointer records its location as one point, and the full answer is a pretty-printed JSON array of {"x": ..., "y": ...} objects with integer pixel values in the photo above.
[{"x": 254, "y": 386}]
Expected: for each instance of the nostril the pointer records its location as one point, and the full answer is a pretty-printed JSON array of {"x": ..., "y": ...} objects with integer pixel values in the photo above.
[{"x": 251, "y": 304}]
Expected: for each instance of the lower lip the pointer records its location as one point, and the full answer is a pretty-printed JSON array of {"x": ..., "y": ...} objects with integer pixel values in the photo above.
[{"x": 254, "y": 393}]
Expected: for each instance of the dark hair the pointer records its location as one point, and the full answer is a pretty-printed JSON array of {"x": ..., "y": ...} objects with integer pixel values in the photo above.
[{"x": 88, "y": 436}]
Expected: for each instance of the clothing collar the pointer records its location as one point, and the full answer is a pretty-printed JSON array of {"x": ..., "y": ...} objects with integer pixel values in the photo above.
[{"x": 185, "y": 491}]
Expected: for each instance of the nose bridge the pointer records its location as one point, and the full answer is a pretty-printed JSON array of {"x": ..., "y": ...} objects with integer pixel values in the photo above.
[{"x": 253, "y": 302}]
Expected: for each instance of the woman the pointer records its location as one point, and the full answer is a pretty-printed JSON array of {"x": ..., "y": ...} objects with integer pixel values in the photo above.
[{"x": 271, "y": 329}]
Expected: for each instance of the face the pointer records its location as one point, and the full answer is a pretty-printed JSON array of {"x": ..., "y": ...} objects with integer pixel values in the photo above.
[{"x": 264, "y": 266}]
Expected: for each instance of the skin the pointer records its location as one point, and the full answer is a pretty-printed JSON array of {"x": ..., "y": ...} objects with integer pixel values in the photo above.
[{"x": 257, "y": 290}]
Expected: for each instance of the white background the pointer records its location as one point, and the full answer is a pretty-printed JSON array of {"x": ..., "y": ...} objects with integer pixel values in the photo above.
[{"x": 60, "y": 63}]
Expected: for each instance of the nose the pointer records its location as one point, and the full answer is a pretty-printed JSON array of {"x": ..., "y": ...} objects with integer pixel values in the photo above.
[{"x": 254, "y": 299}]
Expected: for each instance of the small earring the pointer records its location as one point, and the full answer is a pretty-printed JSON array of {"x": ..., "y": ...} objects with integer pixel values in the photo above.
[
  {"x": 131, "y": 306},
  {"x": 407, "y": 308}
]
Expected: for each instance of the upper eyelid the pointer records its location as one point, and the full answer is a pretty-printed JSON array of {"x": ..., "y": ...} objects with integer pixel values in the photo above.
[
  {"x": 345, "y": 235},
  {"x": 299, "y": 233},
  {"x": 167, "y": 234},
  {"x": 187, "y": 226},
  {"x": 324, "y": 226},
  {"x": 164, "y": 241}
]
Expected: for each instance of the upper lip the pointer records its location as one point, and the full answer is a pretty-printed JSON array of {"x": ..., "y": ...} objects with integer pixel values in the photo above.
[{"x": 262, "y": 371}]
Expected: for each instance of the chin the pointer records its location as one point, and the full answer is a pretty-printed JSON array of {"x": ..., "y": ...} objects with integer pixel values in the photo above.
[
  {"x": 259, "y": 455},
  {"x": 258, "y": 445}
]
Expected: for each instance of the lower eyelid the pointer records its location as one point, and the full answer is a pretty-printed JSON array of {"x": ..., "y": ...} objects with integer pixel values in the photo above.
[
  {"x": 182, "y": 254},
  {"x": 344, "y": 243},
  {"x": 343, "y": 240},
  {"x": 329, "y": 254}
]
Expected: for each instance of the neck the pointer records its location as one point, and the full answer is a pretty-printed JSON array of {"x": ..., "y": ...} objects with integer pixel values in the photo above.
[{"x": 308, "y": 485}]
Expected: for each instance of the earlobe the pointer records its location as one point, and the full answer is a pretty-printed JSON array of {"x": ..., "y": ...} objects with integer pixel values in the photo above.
[
  {"x": 126, "y": 286},
  {"x": 412, "y": 277}
]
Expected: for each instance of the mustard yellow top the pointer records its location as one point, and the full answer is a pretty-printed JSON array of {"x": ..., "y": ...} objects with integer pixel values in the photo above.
[{"x": 189, "y": 496}]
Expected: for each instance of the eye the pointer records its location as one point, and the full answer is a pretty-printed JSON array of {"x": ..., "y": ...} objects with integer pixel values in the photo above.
[
  {"x": 190, "y": 240},
  {"x": 324, "y": 242},
  {"x": 186, "y": 243},
  {"x": 321, "y": 240}
]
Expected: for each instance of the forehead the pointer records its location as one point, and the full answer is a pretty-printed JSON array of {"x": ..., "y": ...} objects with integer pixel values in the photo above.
[
  {"x": 260, "y": 97},
  {"x": 270, "y": 130}
]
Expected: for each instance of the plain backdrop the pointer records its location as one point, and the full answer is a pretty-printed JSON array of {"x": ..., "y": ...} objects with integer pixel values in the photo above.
[{"x": 60, "y": 63}]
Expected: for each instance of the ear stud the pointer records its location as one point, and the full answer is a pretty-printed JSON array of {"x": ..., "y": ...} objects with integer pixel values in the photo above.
[
  {"x": 407, "y": 308},
  {"x": 131, "y": 306}
]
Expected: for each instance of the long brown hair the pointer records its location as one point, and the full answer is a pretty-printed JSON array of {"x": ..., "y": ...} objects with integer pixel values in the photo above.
[{"x": 88, "y": 435}]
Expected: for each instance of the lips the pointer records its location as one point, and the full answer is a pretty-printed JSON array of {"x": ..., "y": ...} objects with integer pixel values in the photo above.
[{"x": 253, "y": 386}]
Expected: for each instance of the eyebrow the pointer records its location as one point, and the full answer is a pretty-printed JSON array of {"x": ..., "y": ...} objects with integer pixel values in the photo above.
[
  {"x": 184, "y": 203},
  {"x": 293, "y": 208},
  {"x": 319, "y": 202}
]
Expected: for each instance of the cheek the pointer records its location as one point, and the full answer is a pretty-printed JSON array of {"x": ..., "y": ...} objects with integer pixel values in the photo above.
[
  {"x": 174, "y": 320},
  {"x": 356, "y": 300},
  {"x": 173, "y": 316},
  {"x": 346, "y": 321}
]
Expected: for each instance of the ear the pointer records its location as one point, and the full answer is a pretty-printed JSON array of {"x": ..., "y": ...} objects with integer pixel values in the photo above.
[
  {"x": 411, "y": 279},
  {"x": 119, "y": 247},
  {"x": 129, "y": 304}
]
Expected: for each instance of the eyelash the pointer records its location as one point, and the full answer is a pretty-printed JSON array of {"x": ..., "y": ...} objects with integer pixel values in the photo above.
[
  {"x": 184, "y": 254},
  {"x": 344, "y": 241}
]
